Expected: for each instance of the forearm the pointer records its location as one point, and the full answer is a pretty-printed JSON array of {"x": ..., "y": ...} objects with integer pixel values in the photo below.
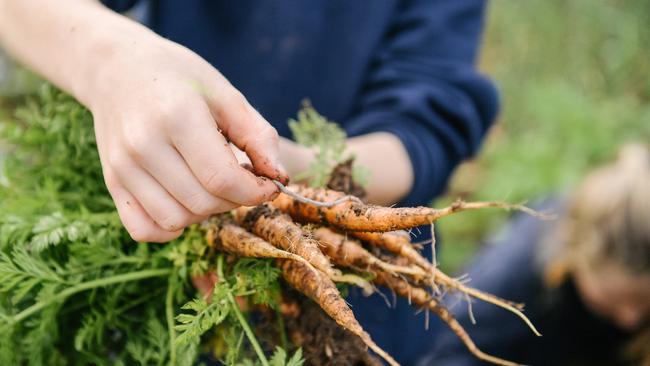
[
  {"x": 391, "y": 172},
  {"x": 382, "y": 153},
  {"x": 65, "y": 40}
]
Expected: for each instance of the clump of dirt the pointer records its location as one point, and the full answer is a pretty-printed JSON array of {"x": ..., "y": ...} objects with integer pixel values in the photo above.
[
  {"x": 323, "y": 341},
  {"x": 341, "y": 180},
  {"x": 307, "y": 326}
]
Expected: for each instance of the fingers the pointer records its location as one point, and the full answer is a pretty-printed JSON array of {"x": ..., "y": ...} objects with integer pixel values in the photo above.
[
  {"x": 210, "y": 158},
  {"x": 241, "y": 156},
  {"x": 171, "y": 171},
  {"x": 161, "y": 207},
  {"x": 249, "y": 131},
  {"x": 134, "y": 218}
]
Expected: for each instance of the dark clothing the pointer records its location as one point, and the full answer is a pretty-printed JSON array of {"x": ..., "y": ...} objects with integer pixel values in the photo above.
[
  {"x": 511, "y": 267},
  {"x": 403, "y": 67}
]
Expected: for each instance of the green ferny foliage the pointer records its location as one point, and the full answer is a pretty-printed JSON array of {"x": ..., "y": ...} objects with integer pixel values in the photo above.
[
  {"x": 75, "y": 289},
  {"x": 329, "y": 141}
]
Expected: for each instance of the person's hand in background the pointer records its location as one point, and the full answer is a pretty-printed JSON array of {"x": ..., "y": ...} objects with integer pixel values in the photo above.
[
  {"x": 163, "y": 116},
  {"x": 381, "y": 153}
]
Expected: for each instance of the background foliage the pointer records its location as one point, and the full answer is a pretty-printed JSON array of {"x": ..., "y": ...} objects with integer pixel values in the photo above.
[
  {"x": 76, "y": 290},
  {"x": 574, "y": 78}
]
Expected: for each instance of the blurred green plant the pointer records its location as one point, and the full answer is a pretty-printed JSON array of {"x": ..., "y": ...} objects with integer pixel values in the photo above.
[
  {"x": 575, "y": 83},
  {"x": 327, "y": 138}
]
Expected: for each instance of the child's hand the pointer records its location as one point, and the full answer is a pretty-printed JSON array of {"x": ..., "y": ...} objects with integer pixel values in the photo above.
[{"x": 163, "y": 119}]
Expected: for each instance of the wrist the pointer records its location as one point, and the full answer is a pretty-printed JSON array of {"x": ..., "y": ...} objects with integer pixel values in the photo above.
[{"x": 102, "y": 55}]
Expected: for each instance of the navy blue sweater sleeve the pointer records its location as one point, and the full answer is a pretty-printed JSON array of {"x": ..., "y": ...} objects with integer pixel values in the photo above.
[{"x": 423, "y": 87}]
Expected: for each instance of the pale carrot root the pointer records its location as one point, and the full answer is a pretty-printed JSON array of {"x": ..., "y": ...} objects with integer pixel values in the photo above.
[
  {"x": 394, "y": 269},
  {"x": 236, "y": 240},
  {"x": 460, "y": 332},
  {"x": 395, "y": 243},
  {"x": 422, "y": 299},
  {"x": 513, "y": 307},
  {"x": 323, "y": 291},
  {"x": 401, "y": 246},
  {"x": 347, "y": 252},
  {"x": 353, "y": 279},
  {"x": 279, "y": 230},
  {"x": 365, "y": 337},
  {"x": 309, "y": 201},
  {"x": 350, "y": 253},
  {"x": 460, "y": 206}
]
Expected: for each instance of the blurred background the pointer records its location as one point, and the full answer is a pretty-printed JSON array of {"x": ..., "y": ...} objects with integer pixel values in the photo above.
[
  {"x": 575, "y": 84},
  {"x": 574, "y": 78}
]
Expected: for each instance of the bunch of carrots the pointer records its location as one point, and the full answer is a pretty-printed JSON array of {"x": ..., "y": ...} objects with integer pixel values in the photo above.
[{"x": 315, "y": 234}]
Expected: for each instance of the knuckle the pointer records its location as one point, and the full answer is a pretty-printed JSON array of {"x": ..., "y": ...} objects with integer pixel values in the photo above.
[
  {"x": 175, "y": 221},
  {"x": 235, "y": 107},
  {"x": 270, "y": 133},
  {"x": 175, "y": 116},
  {"x": 116, "y": 161},
  {"x": 137, "y": 142},
  {"x": 267, "y": 137},
  {"x": 110, "y": 179},
  {"x": 157, "y": 113},
  {"x": 141, "y": 235},
  {"x": 218, "y": 181},
  {"x": 200, "y": 205},
  {"x": 256, "y": 197},
  {"x": 176, "y": 126}
]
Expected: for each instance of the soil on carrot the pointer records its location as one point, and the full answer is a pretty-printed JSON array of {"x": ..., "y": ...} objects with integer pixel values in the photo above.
[
  {"x": 341, "y": 180},
  {"x": 323, "y": 341},
  {"x": 307, "y": 326}
]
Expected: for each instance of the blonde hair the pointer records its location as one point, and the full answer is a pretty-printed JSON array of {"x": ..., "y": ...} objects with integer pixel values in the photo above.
[{"x": 609, "y": 214}]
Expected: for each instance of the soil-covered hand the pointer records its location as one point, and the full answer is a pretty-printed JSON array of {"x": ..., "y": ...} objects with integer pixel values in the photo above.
[{"x": 163, "y": 119}]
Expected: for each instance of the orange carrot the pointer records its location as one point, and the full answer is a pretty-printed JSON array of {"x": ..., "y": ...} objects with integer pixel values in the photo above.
[
  {"x": 324, "y": 293},
  {"x": 235, "y": 240},
  {"x": 348, "y": 252},
  {"x": 278, "y": 229},
  {"x": 354, "y": 215},
  {"x": 394, "y": 242},
  {"x": 422, "y": 299}
]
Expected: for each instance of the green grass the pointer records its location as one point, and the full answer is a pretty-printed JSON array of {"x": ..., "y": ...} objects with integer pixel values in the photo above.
[{"x": 575, "y": 85}]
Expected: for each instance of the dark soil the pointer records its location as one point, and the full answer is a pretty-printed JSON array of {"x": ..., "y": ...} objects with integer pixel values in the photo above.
[
  {"x": 323, "y": 341},
  {"x": 341, "y": 180}
]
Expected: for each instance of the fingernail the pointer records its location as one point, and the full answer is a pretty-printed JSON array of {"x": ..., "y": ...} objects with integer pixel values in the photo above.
[{"x": 282, "y": 174}]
